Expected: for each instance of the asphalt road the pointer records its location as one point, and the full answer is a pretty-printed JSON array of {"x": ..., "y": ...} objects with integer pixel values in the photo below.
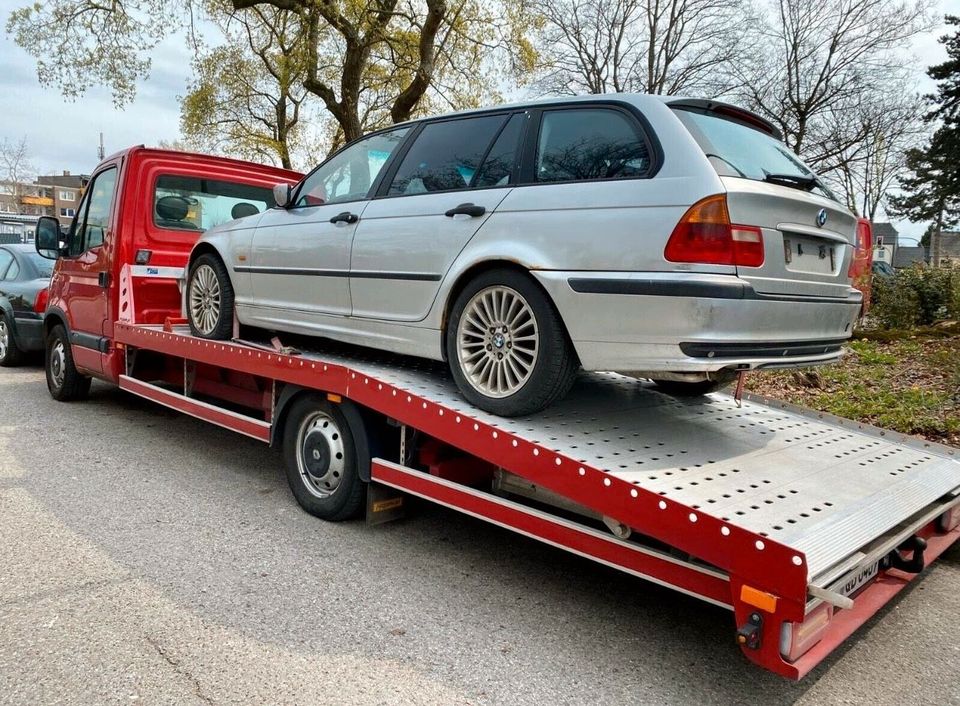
[{"x": 149, "y": 557}]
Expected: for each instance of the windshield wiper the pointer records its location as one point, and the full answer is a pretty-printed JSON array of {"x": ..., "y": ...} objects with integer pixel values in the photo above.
[{"x": 797, "y": 181}]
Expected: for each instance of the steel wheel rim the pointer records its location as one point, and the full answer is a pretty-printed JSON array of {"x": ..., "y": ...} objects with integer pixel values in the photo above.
[
  {"x": 205, "y": 299},
  {"x": 4, "y": 339},
  {"x": 58, "y": 363},
  {"x": 321, "y": 457},
  {"x": 497, "y": 341}
]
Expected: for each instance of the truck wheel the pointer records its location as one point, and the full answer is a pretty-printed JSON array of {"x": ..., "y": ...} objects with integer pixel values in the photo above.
[
  {"x": 321, "y": 460},
  {"x": 506, "y": 345},
  {"x": 10, "y": 353},
  {"x": 210, "y": 299},
  {"x": 65, "y": 383}
]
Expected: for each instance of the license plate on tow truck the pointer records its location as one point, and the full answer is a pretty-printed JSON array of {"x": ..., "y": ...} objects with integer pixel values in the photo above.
[{"x": 858, "y": 580}]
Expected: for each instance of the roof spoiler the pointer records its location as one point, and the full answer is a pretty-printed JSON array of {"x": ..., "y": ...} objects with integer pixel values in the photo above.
[{"x": 728, "y": 111}]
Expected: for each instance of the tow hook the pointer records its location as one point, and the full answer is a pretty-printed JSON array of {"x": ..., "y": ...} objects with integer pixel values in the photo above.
[
  {"x": 748, "y": 635},
  {"x": 913, "y": 565}
]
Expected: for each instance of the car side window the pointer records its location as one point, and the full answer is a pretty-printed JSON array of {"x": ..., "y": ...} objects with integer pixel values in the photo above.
[
  {"x": 349, "y": 174},
  {"x": 497, "y": 167},
  {"x": 13, "y": 271},
  {"x": 446, "y": 155},
  {"x": 5, "y": 259},
  {"x": 578, "y": 144},
  {"x": 91, "y": 224}
]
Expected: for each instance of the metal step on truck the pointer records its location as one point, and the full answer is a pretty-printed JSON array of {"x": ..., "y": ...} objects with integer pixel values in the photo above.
[{"x": 803, "y": 525}]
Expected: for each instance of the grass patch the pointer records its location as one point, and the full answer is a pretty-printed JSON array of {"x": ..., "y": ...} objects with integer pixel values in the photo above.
[{"x": 905, "y": 381}]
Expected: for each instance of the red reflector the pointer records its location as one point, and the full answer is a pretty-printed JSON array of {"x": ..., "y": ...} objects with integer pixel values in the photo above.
[
  {"x": 705, "y": 235},
  {"x": 40, "y": 303}
]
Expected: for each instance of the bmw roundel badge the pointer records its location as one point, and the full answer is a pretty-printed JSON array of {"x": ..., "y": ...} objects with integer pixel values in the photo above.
[{"x": 821, "y": 218}]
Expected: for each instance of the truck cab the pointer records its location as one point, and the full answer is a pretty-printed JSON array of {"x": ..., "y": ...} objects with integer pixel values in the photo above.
[{"x": 136, "y": 223}]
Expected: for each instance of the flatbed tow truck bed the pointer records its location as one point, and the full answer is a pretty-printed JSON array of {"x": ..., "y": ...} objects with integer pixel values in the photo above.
[{"x": 803, "y": 524}]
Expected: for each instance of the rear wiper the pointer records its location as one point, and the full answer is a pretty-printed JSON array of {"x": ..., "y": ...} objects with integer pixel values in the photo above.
[{"x": 798, "y": 181}]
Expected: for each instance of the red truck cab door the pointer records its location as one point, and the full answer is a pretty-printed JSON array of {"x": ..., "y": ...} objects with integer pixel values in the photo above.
[{"x": 85, "y": 270}]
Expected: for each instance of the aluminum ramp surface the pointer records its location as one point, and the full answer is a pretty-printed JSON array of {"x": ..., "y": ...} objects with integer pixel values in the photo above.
[{"x": 816, "y": 486}]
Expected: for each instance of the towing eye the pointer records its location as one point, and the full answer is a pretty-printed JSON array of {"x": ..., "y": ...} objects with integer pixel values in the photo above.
[{"x": 913, "y": 565}]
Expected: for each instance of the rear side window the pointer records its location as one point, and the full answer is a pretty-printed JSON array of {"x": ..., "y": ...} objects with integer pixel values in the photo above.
[
  {"x": 590, "y": 144},
  {"x": 446, "y": 156},
  {"x": 196, "y": 204},
  {"x": 14, "y": 271},
  {"x": 497, "y": 168},
  {"x": 5, "y": 259}
]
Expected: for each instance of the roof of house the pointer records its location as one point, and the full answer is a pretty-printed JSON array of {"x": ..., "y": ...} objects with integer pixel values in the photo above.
[{"x": 906, "y": 256}]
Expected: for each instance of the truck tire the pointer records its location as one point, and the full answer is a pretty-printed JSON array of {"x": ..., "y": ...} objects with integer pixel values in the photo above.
[
  {"x": 320, "y": 456},
  {"x": 506, "y": 345},
  {"x": 210, "y": 299},
  {"x": 10, "y": 353},
  {"x": 64, "y": 381}
]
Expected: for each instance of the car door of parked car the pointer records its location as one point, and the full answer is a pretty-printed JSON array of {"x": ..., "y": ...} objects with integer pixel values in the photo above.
[
  {"x": 441, "y": 191},
  {"x": 300, "y": 255}
]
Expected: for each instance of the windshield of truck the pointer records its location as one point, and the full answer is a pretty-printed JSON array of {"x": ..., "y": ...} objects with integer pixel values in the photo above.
[
  {"x": 738, "y": 150},
  {"x": 196, "y": 204}
]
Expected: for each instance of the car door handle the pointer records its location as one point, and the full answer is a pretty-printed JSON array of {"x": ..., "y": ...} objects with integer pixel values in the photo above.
[
  {"x": 466, "y": 209},
  {"x": 345, "y": 217}
]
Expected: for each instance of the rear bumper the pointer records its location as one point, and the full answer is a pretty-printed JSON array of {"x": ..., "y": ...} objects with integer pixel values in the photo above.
[
  {"x": 687, "y": 322},
  {"x": 29, "y": 331}
]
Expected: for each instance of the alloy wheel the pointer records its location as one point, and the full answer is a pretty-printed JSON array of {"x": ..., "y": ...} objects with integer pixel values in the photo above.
[
  {"x": 4, "y": 339},
  {"x": 205, "y": 299},
  {"x": 497, "y": 341}
]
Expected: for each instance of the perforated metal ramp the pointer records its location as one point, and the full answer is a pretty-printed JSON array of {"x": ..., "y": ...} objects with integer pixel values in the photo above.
[{"x": 824, "y": 487}]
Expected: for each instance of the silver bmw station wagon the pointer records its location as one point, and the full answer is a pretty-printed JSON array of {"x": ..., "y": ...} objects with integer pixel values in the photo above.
[{"x": 665, "y": 238}]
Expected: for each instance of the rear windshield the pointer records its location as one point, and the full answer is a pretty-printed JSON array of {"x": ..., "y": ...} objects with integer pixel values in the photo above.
[
  {"x": 735, "y": 149},
  {"x": 43, "y": 265},
  {"x": 195, "y": 203}
]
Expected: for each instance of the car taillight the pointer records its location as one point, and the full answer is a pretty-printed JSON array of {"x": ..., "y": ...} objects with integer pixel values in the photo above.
[
  {"x": 863, "y": 247},
  {"x": 705, "y": 235},
  {"x": 40, "y": 303},
  {"x": 796, "y": 639}
]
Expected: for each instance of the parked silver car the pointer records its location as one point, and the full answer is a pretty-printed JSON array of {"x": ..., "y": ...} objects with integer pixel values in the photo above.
[{"x": 665, "y": 238}]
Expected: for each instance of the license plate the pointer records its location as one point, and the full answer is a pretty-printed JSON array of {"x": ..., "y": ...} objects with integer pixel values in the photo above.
[
  {"x": 855, "y": 582},
  {"x": 809, "y": 255}
]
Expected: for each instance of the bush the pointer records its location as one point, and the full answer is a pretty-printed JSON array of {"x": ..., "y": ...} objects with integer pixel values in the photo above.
[{"x": 916, "y": 296}]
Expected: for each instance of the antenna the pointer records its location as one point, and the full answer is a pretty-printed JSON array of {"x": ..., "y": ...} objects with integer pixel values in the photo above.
[{"x": 100, "y": 154}]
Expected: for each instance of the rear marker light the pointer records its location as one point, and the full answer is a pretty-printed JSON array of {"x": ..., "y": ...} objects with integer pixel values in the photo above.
[{"x": 705, "y": 235}]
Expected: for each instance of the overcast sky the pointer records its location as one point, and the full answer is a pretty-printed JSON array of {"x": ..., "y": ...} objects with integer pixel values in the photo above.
[{"x": 63, "y": 135}]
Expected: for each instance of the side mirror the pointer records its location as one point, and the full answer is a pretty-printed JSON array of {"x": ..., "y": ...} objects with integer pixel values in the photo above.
[
  {"x": 282, "y": 194},
  {"x": 48, "y": 238}
]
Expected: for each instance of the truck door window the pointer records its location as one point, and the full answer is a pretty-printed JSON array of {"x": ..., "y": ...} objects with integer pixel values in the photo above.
[
  {"x": 195, "y": 204},
  {"x": 93, "y": 220}
]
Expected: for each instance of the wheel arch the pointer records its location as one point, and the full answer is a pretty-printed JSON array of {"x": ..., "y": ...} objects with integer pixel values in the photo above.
[
  {"x": 475, "y": 270},
  {"x": 360, "y": 427},
  {"x": 53, "y": 317}
]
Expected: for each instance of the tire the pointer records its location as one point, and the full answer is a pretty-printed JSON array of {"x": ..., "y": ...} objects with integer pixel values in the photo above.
[
  {"x": 693, "y": 389},
  {"x": 325, "y": 485},
  {"x": 210, "y": 299},
  {"x": 64, "y": 382},
  {"x": 10, "y": 353},
  {"x": 531, "y": 346}
]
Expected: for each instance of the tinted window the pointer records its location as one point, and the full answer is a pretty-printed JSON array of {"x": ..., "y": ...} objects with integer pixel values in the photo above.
[
  {"x": 591, "y": 143},
  {"x": 14, "y": 270},
  {"x": 5, "y": 259},
  {"x": 349, "y": 174},
  {"x": 498, "y": 166},
  {"x": 446, "y": 155},
  {"x": 194, "y": 203}
]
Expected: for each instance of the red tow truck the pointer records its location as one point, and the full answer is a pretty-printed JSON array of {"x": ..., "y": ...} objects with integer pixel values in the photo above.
[{"x": 801, "y": 524}]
